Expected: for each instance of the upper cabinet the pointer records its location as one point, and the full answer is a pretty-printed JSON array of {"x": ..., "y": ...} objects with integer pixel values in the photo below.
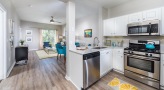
[
  {"x": 116, "y": 26},
  {"x": 162, "y": 22},
  {"x": 109, "y": 27},
  {"x": 121, "y": 26},
  {"x": 152, "y": 14},
  {"x": 136, "y": 17},
  {"x": 145, "y": 15}
]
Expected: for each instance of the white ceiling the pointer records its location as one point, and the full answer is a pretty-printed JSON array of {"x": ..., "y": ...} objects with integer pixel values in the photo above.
[
  {"x": 110, "y": 3},
  {"x": 42, "y": 10}
]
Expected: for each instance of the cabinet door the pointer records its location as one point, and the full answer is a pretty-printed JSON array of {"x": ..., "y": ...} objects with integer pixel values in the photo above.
[
  {"x": 109, "y": 56},
  {"x": 105, "y": 62},
  {"x": 162, "y": 70},
  {"x": 118, "y": 60},
  {"x": 162, "y": 22},
  {"x": 136, "y": 17},
  {"x": 109, "y": 27},
  {"x": 121, "y": 26},
  {"x": 152, "y": 14}
]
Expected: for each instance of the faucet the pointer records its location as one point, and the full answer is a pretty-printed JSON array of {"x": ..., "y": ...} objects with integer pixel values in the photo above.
[{"x": 94, "y": 43}]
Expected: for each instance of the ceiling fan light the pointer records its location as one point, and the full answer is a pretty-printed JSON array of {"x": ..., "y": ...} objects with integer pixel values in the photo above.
[{"x": 52, "y": 21}]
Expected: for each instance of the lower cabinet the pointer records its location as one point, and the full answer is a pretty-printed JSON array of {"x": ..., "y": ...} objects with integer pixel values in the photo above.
[
  {"x": 105, "y": 61},
  {"x": 118, "y": 60},
  {"x": 162, "y": 70},
  {"x": 111, "y": 59}
]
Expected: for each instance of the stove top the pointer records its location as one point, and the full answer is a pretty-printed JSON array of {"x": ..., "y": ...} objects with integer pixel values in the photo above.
[{"x": 143, "y": 50}]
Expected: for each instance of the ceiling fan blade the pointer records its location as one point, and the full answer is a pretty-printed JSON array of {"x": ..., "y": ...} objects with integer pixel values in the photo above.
[{"x": 58, "y": 22}]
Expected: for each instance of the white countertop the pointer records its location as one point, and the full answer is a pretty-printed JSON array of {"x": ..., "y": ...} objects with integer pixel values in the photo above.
[{"x": 82, "y": 52}]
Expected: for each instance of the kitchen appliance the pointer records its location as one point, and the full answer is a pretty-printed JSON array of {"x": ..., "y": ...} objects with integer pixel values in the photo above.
[
  {"x": 151, "y": 27},
  {"x": 150, "y": 45},
  {"x": 141, "y": 63},
  {"x": 91, "y": 68}
]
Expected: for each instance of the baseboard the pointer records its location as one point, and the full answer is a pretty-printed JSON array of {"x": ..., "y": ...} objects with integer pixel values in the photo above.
[
  {"x": 75, "y": 85},
  {"x": 12, "y": 66},
  {"x": 69, "y": 79},
  {"x": 33, "y": 49},
  {"x": 118, "y": 71}
]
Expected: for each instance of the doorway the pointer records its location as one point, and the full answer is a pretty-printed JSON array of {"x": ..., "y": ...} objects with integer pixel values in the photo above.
[{"x": 3, "y": 42}]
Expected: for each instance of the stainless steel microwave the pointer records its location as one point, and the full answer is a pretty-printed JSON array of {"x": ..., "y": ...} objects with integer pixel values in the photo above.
[{"x": 144, "y": 28}]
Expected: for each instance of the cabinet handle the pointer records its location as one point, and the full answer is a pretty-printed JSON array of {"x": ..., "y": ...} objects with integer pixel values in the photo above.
[
  {"x": 143, "y": 18},
  {"x": 107, "y": 53}
]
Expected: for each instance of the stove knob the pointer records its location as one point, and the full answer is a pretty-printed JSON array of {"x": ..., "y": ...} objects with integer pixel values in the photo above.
[
  {"x": 146, "y": 54},
  {"x": 150, "y": 55},
  {"x": 131, "y": 52}
]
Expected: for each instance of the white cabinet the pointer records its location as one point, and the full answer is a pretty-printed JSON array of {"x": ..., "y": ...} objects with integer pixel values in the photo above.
[
  {"x": 162, "y": 70},
  {"x": 145, "y": 15},
  {"x": 152, "y": 14},
  {"x": 121, "y": 26},
  {"x": 162, "y": 22},
  {"x": 105, "y": 61},
  {"x": 109, "y": 27},
  {"x": 136, "y": 17},
  {"x": 116, "y": 26},
  {"x": 118, "y": 60}
]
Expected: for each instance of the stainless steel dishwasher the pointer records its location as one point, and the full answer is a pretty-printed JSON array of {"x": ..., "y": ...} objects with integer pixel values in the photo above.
[{"x": 91, "y": 68}]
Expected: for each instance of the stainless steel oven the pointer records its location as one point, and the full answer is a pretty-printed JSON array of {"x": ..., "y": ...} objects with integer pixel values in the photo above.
[
  {"x": 144, "y": 28},
  {"x": 147, "y": 66},
  {"x": 143, "y": 64}
]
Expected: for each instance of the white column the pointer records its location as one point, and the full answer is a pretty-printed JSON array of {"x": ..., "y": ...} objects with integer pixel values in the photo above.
[
  {"x": 70, "y": 32},
  {"x": 103, "y": 14}
]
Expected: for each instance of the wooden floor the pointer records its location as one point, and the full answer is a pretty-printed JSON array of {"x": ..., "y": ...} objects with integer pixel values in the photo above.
[{"x": 49, "y": 74}]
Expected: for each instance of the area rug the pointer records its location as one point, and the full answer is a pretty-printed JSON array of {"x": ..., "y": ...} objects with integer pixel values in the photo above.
[
  {"x": 42, "y": 54},
  {"x": 117, "y": 84}
]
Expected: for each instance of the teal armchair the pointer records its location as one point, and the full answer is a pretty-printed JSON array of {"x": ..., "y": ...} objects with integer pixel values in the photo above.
[
  {"x": 64, "y": 49},
  {"x": 59, "y": 49}
]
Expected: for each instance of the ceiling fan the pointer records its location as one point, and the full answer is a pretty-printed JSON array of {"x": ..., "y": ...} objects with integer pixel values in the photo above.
[{"x": 53, "y": 21}]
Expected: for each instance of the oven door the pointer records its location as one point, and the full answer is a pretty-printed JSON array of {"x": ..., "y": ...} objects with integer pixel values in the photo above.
[{"x": 147, "y": 66}]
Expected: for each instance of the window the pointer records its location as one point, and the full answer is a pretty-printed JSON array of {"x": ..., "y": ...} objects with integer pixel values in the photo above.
[{"x": 49, "y": 36}]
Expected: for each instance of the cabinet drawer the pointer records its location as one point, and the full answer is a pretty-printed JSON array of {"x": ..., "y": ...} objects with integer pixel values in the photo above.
[
  {"x": 106, "y": 51},
  {"x": 118, "y": 51}
]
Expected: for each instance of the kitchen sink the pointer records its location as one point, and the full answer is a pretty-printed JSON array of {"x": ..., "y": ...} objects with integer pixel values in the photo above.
[{"x": 99, "y": 47}]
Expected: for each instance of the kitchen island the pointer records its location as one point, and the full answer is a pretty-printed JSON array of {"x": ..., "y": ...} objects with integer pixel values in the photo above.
[{"x": 105, "y": 65}]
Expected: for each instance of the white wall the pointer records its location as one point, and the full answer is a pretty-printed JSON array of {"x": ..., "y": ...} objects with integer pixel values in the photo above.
[
  {"x": 87, "y": 22},
  {"x": 36, "y": 27},
  {"x": 11, "y": 14},
  {"x": 34, "y": 45},
  {"x": 63, "y": 30},
  {"x": 134, "y": 6}
]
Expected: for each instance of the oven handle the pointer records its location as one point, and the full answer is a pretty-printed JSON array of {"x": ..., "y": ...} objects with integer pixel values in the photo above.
[
  {"x": 149, "y": 79},
  {"x": 139, "y": 57}
]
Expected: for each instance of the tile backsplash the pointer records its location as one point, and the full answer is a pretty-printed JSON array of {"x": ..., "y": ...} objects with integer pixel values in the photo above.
[{"x": 127, "y": 38}]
